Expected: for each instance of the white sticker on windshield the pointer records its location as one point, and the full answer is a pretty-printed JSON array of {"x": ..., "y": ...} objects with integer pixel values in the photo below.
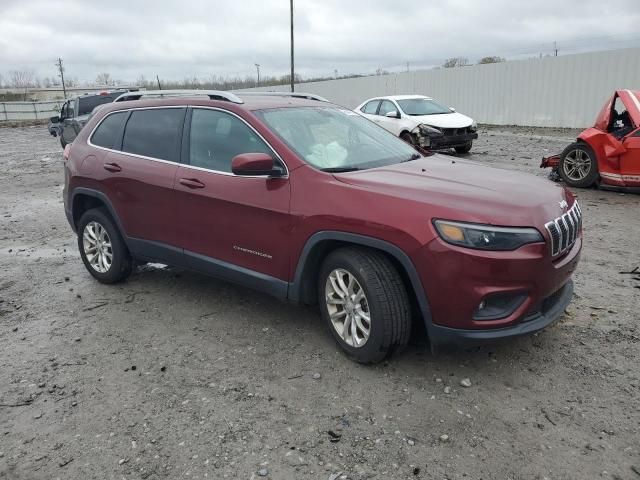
[{"x": 348, "y": 112}]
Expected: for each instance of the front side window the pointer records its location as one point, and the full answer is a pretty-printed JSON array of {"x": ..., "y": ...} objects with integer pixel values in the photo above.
[
  {"x": 371, "y": 107},
  {"x": 109, "y": 130},
  {"x": 422, "y": 106},
  {"x": 216, "y": 137},
  {"x": 333, "y": 139},
  {"x": 67, "y": 110},
  {"x": 387, "y": 107},
  {"x": 154, "y": 133}
]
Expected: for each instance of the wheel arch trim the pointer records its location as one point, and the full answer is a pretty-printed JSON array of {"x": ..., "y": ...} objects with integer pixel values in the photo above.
[
  {"x": 296, "y": 293},
  {"x": 100, "y": 196}
]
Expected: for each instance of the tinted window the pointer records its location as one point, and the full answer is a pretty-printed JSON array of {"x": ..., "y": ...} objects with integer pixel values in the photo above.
[
  {"x": 387, "y": 107},
  {"x": 154, "y": 133},
  {"x": 371, "y": 107},
  {"x": 88, "y": 103},
  {"x": 216, "y": 137},
  {"x": 108, "y": 132}
]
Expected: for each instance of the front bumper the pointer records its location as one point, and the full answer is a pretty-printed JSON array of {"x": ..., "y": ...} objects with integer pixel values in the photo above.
[
  {"x": 447, "y": 139},
  {"x": 459, "y": 283},
  {"x": 552, "y": 309}
]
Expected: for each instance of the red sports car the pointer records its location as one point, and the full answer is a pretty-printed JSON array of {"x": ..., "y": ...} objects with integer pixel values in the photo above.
[{"x": 607, "y": 154}]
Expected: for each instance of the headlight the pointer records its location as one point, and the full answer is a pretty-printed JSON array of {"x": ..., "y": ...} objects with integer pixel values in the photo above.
[
  {"x": 486, "y": 237},
  {"x": 429, "y": 129}
]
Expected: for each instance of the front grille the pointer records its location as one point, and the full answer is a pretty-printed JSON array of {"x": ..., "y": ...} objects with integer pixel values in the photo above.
[
  {"x": 564, "y": 230},
  {"x": 448, "y": 132}
]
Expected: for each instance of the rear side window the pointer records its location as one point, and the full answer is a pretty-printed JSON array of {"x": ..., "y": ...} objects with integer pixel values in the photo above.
[
  {"x": 109, "y": 130},
  {"x": 371, "y": 107},
  {"x": 154, "y": 133}
]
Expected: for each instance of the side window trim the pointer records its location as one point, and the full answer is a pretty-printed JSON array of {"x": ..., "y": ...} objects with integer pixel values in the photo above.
[{"x": 187, "y": 139}]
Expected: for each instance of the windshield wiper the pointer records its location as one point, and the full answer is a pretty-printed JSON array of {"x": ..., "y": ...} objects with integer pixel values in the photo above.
[{"x": 340, "y": 169}]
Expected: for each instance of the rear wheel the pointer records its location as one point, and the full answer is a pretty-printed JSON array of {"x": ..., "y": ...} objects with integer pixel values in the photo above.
[
  {"x": 364, "y": 303},
  {"x": 102, "y": 248},
  {"x": 466, "y": 148},
  {"x": 578, "y": 165}
]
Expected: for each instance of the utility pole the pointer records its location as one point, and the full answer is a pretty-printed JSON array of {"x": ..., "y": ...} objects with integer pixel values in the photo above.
[
  {"x": 555, "y": 49},
  {"x": 258, "y": 70},
  {"x": 407, "y": 66},
  {"x": 292, "y": 69},
  {"x": 61, "y": 74},
  {"x": 158, "y": 80}
]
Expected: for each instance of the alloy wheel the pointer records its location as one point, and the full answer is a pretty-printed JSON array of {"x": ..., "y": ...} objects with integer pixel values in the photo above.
[
  {"x": 348, "y": 308},
  {"x": 97, "y": 247},
  {"x": 577, "y": 165}
]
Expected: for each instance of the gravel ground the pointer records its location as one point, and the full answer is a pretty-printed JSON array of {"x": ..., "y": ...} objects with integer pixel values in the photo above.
[{"x": 176, "y": 375}]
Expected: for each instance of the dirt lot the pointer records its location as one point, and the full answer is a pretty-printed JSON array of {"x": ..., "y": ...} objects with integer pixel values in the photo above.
[{"x": 175, "y": 375}]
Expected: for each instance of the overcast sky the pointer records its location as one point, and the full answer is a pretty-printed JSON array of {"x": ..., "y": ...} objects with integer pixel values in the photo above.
[{"x": 186, "y": 38}]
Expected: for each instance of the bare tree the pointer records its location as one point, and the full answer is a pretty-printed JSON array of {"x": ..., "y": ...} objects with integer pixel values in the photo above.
[
  {"x": 22, "y": 80},
  {"x": 455, "y": 62},
  {"x": 104, "y": 79},
  {"x": 494, "y": 59}
]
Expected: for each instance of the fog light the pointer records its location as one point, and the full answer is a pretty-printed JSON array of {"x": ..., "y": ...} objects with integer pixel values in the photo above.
[{"x": 498, "y": 305}]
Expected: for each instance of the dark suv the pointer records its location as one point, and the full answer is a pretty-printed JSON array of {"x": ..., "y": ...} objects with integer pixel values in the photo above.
[
  {"x": 75, "y": 113},
  {"x": 313, "y": 203}
]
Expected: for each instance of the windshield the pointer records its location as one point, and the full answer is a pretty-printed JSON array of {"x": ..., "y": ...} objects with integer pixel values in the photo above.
[
  {"x": 333, "y": 139},
  {"x": 422, "y": 106}
]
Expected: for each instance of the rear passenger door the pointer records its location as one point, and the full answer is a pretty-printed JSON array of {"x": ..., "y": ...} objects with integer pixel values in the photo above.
[
  {"x": 137, "y": 173},
  {"x": 234, "y": 227}
]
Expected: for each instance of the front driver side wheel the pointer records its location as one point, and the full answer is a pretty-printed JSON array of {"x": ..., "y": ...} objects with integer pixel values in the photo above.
[{"x": 364, "y": 303}]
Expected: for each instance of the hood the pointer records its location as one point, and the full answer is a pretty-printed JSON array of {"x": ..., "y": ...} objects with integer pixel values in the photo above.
[
  {"x": 467, "y": 191},
  {"x": 444, "y": 120}
]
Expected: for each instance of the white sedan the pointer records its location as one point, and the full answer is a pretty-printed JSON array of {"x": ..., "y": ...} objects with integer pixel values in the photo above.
[{"x": 421, "y": 121}]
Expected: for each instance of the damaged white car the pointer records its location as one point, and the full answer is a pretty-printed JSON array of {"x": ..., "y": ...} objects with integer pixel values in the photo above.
[{"x": 421, "y": 121}]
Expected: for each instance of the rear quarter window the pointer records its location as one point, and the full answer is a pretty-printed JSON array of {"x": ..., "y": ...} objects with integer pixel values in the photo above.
[
  {"x": 109, "y": 131},
  {"x": 154, "y": 133}
]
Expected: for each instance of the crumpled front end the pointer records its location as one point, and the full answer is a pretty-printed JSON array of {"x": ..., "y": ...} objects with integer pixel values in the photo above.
[{"x": 435, "y": 138}]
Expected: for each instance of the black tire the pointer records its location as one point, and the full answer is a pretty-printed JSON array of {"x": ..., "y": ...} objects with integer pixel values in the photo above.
[
  {"x": 564, "y": 167},
  {"x": 407, "y": 137},
  {"x": 466, "y": 148},
  {"x": 121, "y": 261},
  {"x": 387, "y": 301}
]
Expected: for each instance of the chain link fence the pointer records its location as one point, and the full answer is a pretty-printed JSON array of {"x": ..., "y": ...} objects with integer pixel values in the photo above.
[{"x": 21, "y": 111}]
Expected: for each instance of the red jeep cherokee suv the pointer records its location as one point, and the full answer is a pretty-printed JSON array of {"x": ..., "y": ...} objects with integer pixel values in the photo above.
[{"x": 311, "y": 202}]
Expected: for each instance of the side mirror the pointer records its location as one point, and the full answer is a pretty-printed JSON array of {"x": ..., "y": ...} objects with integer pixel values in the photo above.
[
  {"x": 255, "y": 165},
  {"x": 392, "y": 114},
  {"x": 452, "y": 109},
  {"x": 55, "y": 119}
]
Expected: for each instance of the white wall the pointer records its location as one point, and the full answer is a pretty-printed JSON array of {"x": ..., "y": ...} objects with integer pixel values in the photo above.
[{"x": 565, "y": 91}]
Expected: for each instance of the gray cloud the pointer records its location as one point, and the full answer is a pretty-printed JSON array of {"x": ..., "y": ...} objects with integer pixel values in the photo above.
[{"x": 202, "y": 38}]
